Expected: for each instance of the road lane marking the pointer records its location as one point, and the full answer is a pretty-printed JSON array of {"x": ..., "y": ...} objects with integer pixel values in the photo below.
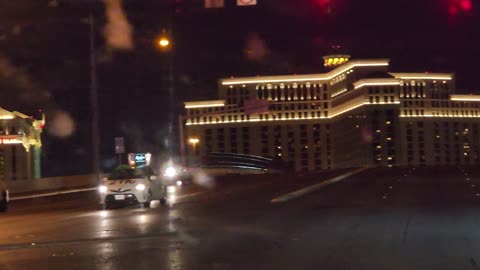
[
  {"x": 304, "y": 191},
  {"x": 189, "y": 195},
  {"x": 34, "y": 196}
]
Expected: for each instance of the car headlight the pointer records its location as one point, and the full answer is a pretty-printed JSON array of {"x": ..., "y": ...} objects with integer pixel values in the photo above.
[
  {"x": 102, "y": 189},
  {"x": 171, "y": 189},
  {"x": 140, "y": 187},
  {"x": 170, "y": 172}
]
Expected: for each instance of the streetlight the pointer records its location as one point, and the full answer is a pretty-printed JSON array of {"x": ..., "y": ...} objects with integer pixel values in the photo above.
[
  {"x": 164, "y": 43},
  {"x": 193, "y": 142}
]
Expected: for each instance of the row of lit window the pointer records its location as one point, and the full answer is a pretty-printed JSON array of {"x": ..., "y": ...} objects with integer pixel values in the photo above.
[
  {"x": 415, "y": 112},
  {"x": 262, "y": 117},
  {"x": 205, "y": 110},
  {"x": 293, "y": 85},
  {"x": 413, "y": 95},
  {"x": 338, "y": 79},
  {"x": 292, "y": 94},
  {"x": 233, "y": 92},
  {"x": 467, "y": 113},
  {"x": 385, "y": 99},
  {"x": 294, "y": 115},
  {"x": 454, "y": 104},
  {"x": 290, "y": 106}
]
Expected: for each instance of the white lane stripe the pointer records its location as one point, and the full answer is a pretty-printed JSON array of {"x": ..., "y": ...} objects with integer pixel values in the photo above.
[
  {"x": 17, "y": 198},
  {"x": 304, "y": 191},
  {"x": 189, "y": 195}
]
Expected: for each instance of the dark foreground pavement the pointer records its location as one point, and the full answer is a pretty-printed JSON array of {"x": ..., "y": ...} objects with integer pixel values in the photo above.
[{"x": 379, "y": 219}]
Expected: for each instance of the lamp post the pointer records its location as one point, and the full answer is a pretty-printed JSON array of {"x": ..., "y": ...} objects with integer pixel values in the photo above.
[
  {"x": 94, "y": 102},
  {"x": 193, "y": 142},
  {"x": 164, "y": 44}
]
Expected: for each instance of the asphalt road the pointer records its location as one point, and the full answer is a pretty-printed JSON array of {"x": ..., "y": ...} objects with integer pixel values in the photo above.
[{"x": 425, "y": 218}]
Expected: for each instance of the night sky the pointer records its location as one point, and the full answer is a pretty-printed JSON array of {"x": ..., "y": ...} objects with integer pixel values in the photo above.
[{"x": 46, "y": 41}]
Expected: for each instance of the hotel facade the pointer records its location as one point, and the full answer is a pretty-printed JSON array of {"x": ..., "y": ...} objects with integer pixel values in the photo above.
[
  {"x": 356, "y": 114},
  {"x": 20, "y": 146}
]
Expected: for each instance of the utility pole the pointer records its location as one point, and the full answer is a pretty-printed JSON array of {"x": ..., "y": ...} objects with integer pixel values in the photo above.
[
  {"x": 94, "y": 102},
  {"x": 171, "y": 95}
]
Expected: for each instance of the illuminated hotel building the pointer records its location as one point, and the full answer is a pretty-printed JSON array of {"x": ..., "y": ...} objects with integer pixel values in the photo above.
[
  {"x": 356, "y": 114},
  {"x": 20, "y": 146}
]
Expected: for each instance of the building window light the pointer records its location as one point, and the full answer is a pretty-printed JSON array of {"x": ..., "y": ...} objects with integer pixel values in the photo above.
[
  {"x": 389, "y": 139},
  {"x": 388, "y": 122},
  {"x": 378, "y": 131},
  {"x": 379, "y": 147}
]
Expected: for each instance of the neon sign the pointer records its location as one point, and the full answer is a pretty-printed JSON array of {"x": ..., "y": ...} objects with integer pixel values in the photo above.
[{"x": 10, "y": 141}]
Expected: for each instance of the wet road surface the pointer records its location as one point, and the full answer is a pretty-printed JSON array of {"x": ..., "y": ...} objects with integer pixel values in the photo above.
[{"x": 379, "y": 219}]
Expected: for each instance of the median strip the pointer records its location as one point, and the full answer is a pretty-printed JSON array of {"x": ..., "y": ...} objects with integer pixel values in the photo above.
[{"x": 304, "y": 191}]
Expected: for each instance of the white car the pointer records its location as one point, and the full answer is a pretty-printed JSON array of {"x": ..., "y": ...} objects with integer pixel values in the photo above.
[
  {"x": 4, "y": 197},
  {"x": 130, "y": 188}
]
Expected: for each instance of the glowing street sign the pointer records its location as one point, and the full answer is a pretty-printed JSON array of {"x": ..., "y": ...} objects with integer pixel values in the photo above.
[
  {"x": 10, "y": 140},
  {"x": 139, "y": 159}
]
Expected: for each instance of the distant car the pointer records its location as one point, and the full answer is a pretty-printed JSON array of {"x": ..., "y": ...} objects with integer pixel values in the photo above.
[
  {"x": 4, "y": 197},
  {"x": 174, "y": 175},
  {"x": 126, "y": 186}
]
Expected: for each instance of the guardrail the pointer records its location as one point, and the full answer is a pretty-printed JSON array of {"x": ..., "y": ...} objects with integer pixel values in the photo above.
[
  {"x": 88, "y": 181},
  {"x": 52, "y": 183}
]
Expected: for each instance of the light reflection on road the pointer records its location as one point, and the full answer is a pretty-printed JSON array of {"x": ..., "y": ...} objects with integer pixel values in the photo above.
[
  {"x": 175, "y": 256},
  {"x": 105, "y": 253}
]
